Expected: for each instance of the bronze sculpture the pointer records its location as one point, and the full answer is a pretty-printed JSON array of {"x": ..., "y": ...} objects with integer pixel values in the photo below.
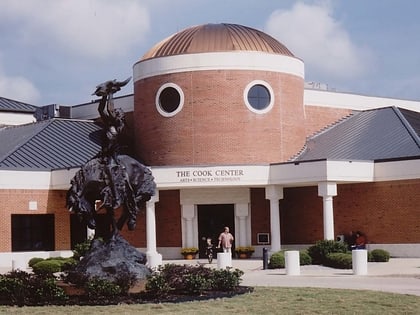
[{"x": 114, "y": 179}]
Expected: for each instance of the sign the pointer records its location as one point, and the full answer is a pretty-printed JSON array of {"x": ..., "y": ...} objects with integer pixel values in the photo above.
[{"x": 207, "y": 175}]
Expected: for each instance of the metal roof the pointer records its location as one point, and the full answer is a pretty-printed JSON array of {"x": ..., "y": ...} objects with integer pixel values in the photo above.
[
  {"x": 385, "y": 133},
  {"x": 216, "y": 38},
  {"x": 15, "y": 106},
  {"x": 50, "y": 144}
]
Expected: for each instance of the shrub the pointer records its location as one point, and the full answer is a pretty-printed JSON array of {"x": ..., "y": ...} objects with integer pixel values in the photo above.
[
  {"x": 305, "y": 258},
  {"x": 47, "y": 267},
  {"x": 226, "y": 280},
  {"x": 81, "y": 249},
  {"x": 277, "y": 260},
  {"x": 34, "y": 261},
  {"x": 338, "y": 260},
  {"x": 68, "y": 264},
  {"x": 379, "y": 255},
  {"x": 321, "y": 249},
  {"x": 21, "y": 288},
  {"x": 97, "y": 288},
  {"x": 191, "y": 279}
]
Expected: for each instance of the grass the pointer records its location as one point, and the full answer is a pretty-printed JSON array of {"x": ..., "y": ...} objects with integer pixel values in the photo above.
[{"x": 264, "y": 300}]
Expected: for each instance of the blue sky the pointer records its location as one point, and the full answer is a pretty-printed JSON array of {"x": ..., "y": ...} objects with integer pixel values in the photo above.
[{"x": 57, "y": 51}]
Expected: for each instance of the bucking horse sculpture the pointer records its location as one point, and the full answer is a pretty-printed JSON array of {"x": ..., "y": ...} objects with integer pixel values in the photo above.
[{"x": 110, "y": 180}]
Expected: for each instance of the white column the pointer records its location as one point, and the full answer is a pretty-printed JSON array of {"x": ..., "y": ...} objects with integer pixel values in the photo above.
[
  {"x": 274, "y": 194},
  {"x": 154, "y": 259},
  {"x": 242, "y": 212},
  {"x": 188, "y": 215},
  {"x": 327, "y": 190}
]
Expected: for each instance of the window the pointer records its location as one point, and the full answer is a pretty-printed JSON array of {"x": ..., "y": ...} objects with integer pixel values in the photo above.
[
  {"x": 259, "y": 97},
  {"x": 32, "y": 232},
  {"x": 169, "y": 99}
]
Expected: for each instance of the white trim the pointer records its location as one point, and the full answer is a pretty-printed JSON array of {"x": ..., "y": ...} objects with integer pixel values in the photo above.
[
  {"x": 237, "y": 176},
  {"x": 270, "y": 91},
  {"x": 354, "y": 101},
  {"x": 8, "y": 118},
  {"x": 237, "y": 60},
  {"x": 181, "y": 100}
]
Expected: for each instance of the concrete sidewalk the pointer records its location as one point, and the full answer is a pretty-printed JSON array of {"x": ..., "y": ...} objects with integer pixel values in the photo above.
[{"x": 399, "y": 275}]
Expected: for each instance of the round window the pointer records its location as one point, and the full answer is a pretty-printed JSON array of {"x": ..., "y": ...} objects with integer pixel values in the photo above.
[
  {"x": 169, "y": 99},
  {"x": 259, "y": 97}
]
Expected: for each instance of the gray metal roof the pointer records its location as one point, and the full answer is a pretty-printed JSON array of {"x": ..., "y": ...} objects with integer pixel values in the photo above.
[
  {"x": 50, "y": 144},
  {"x": 385, "y": 133},
  {"x": 15, "y": 106}
]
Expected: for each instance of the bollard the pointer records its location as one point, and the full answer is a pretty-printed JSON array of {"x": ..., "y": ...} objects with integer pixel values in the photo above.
[
  {"x": 265, "y": 258},
  {"x": 359, "y": 261},
  {"x": 224, "y": 260},
  {"x": 292, "y": 263}
]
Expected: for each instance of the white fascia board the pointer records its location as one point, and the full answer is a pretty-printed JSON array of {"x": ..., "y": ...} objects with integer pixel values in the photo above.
[
  {"x": 8, "y": 118},
  {"x": 354, "y": 101},
  {"x": 60, "y": 179},
  {"x": 210, "y": 176},
  {"x": 24, "y": 179},
  {"x": 313, "y": 172},
  {"x": 397, "y": 170},
  {"x": 240, "y": 60}
]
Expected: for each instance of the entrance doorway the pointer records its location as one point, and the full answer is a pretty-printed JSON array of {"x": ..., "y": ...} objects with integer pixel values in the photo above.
[{"x": 211, "y": 221}]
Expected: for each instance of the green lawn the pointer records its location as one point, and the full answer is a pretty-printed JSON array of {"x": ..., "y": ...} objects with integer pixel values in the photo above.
[{"x": 263, "y": 300}]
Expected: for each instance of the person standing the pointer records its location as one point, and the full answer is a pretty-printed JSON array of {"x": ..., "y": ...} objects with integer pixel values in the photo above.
[{"x": 226, "y": 240}]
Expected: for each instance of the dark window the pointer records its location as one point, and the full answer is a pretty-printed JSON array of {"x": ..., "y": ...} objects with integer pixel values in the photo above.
[
  {"x": 259, "y": 97},
  {"x": 32, "y": 232},
  {"x": 169, "y": 99}
]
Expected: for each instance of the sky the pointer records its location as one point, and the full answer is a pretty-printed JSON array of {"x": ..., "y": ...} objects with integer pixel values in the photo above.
[{"x": 57, "y": 51}]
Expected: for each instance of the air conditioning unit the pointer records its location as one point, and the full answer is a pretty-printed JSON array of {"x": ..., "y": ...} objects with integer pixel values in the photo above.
[{"x": 340, "y": 238}]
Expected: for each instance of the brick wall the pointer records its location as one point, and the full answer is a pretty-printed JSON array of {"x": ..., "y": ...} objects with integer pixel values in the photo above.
[
  {"x": 16, "y": 201},
  {"x": 388, "y": 212},
  {"x": 215, "y": 126},
  {"x": 260, "y": 213},
  {"x": 318, "y": 117}
]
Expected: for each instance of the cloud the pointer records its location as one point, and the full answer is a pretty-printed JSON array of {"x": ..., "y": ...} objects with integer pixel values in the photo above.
[
  {"x": 18, "y": 88},
  {"x": 90, "y": 28},
  {"x": 312, "y": 34}
]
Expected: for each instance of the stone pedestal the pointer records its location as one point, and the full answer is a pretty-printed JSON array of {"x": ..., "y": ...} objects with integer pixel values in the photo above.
[
  {"x": 224, "y": 260},
  {"x": 359, "y": 261},
  {"x": 292, "y": 263}
]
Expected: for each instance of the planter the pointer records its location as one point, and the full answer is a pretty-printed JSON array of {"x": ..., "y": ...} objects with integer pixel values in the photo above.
[
  {"x": 189, "y": 256},
  {"x": 244, "y": 255}
]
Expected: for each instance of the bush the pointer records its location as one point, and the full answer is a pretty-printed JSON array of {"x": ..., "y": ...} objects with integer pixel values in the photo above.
[
  {"x": 276, "y": 260},
  {"x": 34, "y": 261},
  {"x": 379, "y": 255},
  {"x": 305, "y": 258},
  {"x": 321, "y": 249},
  {"x": 97, "y": 288},
  {"x": 47, "y": 267},
  {"x": 81, "y": 249},
  {"x": 339, "y": 260},
  {"x": 191, "y": 279},
  {"x": 21, "y": 288}
]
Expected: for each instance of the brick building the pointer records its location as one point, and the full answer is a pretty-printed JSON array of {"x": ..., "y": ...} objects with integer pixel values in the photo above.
[{"x": 234, "y": 137}]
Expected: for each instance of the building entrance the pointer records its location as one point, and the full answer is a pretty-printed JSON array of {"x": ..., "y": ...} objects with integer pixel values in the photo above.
[{"x": 211, "y": 221}]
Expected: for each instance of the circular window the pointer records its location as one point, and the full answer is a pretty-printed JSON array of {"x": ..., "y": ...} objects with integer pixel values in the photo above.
[
  {"x": 259, "y": 97},
  {"x": 169, "y": 99}
]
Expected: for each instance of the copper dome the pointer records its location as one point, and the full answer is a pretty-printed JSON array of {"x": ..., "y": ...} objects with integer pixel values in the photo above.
[{"x": 216, "y": 38}]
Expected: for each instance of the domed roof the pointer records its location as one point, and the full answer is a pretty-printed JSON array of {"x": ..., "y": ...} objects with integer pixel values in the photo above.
[{"x": 216, "y": 38}]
